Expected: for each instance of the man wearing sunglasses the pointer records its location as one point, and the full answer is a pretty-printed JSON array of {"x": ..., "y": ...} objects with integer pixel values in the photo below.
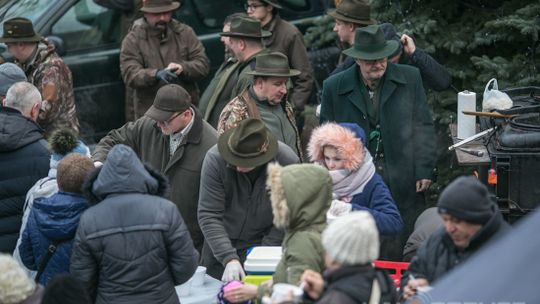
[{"x": 172, "y": 138}]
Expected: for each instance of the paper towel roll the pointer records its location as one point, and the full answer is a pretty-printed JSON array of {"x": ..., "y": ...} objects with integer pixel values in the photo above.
[{"x": 466, "y": 124}]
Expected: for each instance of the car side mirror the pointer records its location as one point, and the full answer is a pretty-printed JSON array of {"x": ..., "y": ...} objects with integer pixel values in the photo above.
[{"x": 58, "y": 44}]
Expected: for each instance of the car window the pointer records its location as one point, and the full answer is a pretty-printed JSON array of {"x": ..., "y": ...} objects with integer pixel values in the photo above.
[
  {"x": 88, "y": 25},
  {"x": 30, "y": 9},
  {"x": 212, "y": 13}
]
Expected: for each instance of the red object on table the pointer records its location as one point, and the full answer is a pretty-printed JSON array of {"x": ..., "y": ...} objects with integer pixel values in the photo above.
[{"x": 395, "y": 269}]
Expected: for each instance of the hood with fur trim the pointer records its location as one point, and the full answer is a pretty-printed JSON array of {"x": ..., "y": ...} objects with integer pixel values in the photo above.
[
  {"x": 300, "y": 195},
  {"x": 343, "y": 138},
  {"x": 123, "y": 173}
]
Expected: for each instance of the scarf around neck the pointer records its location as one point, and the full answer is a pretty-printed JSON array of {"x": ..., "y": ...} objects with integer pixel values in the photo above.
[{"x": 348, "y": 183}]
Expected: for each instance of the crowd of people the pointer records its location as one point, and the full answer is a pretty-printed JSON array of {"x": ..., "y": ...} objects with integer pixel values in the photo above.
[{"x": 199, "y": 179}]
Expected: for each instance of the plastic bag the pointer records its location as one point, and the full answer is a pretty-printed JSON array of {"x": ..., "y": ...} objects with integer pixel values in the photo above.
[{"x": 495, "y": 99}]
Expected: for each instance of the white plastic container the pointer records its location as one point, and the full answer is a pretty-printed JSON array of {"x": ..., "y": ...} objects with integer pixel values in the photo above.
[{"x": 262, "y": 260}]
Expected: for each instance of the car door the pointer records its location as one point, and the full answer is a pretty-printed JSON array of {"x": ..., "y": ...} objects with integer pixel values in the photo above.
[{"x": 90, "y": 37}]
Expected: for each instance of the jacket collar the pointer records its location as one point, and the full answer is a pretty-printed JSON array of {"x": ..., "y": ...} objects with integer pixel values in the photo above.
[{"x": 353, "y": 87}]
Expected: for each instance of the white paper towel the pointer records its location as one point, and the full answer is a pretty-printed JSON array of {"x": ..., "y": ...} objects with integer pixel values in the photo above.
[{"x": 466, "y": 124}]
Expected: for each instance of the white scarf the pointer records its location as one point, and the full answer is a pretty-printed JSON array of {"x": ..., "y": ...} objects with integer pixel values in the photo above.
[{"x": 348, "y": 183}]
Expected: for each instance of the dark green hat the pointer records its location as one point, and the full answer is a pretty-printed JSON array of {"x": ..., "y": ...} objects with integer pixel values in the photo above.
[
  {"x": 248, "y": 145},
  {"x": 273, "y": 3},
  {"x": 370, "y": 44},
  {"x": 355, "y": 11},
  {"x": 19, "y": 30},
  {"x": 274, "y": 64},
  {"x": 170, "y": 99},
  {"x": 246, "y": 27}
]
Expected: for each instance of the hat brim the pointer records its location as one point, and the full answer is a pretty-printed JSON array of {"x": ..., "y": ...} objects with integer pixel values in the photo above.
[
  {"x": 272, "y": 3},
  {"x": 292, "y": 73},
  {"x": 157, "y": 114},
  {"x": 264, "y": 34},
  {"x": 386, "y": 51},
  {"x": 244, "y": 162},
  {"x": 163, "y": 9},
  {"x": 333, "y": 13},
  {"x": 35, "y": 38}
]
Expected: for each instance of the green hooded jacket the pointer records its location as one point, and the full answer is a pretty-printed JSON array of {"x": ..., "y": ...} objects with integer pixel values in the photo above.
[{"x": 301, "y": 195}]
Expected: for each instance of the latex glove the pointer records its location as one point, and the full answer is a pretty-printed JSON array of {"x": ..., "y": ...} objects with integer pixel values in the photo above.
[
  {"x": 166, "y": 75},
  {"x": 233, "y": 271},
  {"x": 339, "y": 208}
]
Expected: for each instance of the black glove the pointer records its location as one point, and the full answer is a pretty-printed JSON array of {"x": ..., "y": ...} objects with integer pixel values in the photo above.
[{"x": 166, "y": 75}]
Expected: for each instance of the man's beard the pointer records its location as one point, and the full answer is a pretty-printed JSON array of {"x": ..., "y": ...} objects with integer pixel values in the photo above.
[{"x": 161, "y": 26}]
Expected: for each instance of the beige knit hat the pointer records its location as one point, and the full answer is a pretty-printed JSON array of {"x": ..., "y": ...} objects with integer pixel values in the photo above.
[
  {"x": 15, "y": 285},
  {"x": 72, "y": 170},
  {"x": 352, "y": 239}
]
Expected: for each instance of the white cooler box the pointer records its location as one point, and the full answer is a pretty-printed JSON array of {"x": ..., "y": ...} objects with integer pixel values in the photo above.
[{"x": 262, "y": 260}]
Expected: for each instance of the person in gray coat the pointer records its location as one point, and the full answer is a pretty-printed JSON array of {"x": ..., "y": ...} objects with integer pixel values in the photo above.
[
  {"x": 235, "y": 212},
  {"x": 132, "y": 246}
]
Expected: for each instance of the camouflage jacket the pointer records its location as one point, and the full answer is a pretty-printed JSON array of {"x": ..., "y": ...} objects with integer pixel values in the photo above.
[
  {"x": 244, "y": 106},
  {"x": 48, "y": 72}
]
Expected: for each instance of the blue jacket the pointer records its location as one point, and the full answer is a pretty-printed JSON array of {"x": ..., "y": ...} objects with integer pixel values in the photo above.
[
  {"x": 53, "y": 218},
  {"x": 377, "y": 200}
]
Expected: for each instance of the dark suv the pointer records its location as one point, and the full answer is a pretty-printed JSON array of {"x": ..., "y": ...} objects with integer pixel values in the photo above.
[{"x": 88, "y": 38}]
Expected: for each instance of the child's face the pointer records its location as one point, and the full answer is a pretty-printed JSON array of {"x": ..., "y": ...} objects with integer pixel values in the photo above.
[{"x": 332, "y": 159}]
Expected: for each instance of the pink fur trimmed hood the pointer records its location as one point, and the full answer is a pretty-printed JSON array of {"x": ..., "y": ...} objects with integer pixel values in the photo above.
[{"x": 344, "y": 140}]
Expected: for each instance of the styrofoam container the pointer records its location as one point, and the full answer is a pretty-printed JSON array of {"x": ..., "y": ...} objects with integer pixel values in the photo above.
[
  {"x": 184, "y": 289},
  {"x": 263, "y": 260},
  {"x": 198, "y": 276},
  {"x": 282, "y": 292}
]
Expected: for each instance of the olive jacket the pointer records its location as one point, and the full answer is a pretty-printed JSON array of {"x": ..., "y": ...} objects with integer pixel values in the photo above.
[{"x": 183, "y": 169}]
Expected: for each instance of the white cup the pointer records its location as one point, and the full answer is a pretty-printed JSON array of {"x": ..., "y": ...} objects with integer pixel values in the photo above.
[
  {"x": 198, "y": 276},
  {"x": 184, "y": 289},
  {"x": 282, "y": 292}
]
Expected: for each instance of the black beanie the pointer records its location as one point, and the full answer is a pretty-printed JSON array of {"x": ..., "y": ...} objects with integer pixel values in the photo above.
[{"x": 466, "y": 198}]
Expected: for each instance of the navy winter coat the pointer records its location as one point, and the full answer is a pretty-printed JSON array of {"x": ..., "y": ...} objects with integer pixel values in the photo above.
[
  {"x": 377, "y": 200},
  {"x": 24, "y": 158},
  {"x": 53, "y": 218}
]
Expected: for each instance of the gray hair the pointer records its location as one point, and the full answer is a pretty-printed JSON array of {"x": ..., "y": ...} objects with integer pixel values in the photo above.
[{"x": 22, "y": 96}]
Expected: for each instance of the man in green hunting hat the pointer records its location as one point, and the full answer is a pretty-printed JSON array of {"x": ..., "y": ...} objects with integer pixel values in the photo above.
[
  {"x": 46, "y": 71},
  {"x": 243, "y": 37},
  {"x": 287, "y": 39},
  {"x": 235, "y": 212},
  {"x": 266, "y": 98},
  {"x": 350, "y": 15},
  {"x": 388, "y": 101}
]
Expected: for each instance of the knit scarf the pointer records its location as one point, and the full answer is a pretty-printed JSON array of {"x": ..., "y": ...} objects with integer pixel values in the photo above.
[{"x": 349, "y": 183}]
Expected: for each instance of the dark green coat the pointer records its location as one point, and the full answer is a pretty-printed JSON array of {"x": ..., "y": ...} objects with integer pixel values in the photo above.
[{"x": 406, "y": 128}]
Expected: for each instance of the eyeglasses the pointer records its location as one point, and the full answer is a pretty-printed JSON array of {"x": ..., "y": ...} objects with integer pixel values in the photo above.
[
  {"x": 169, "y": 121},
  {"x": 252, "y": 6}
]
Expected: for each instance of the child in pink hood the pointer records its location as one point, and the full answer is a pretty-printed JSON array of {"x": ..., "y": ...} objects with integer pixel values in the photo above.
[{"x": 356, "y": 186}]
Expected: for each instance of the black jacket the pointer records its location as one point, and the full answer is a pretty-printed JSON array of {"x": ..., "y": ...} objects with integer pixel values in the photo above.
[
  {"x": 24, "y": 158},
  {"x": 132, "y": 246},
  {"x": 438, "y": 254},
  {"x": 352, "y": 284}
]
